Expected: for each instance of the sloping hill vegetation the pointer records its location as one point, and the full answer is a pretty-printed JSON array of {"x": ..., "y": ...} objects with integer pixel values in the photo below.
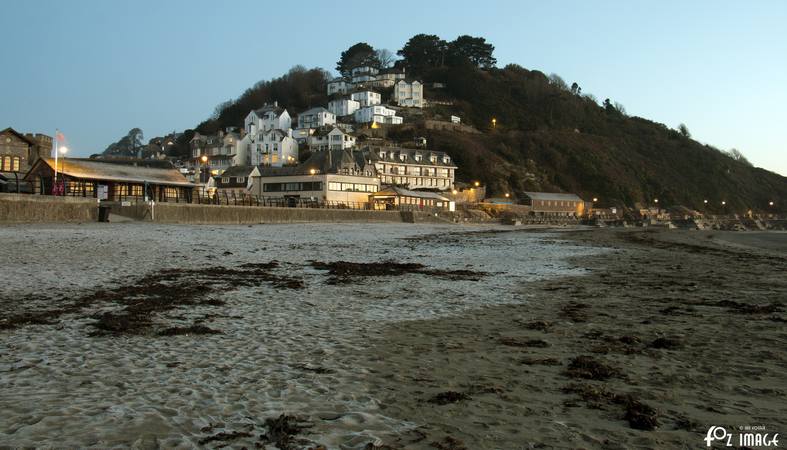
[{"x": 548, "y": 135}]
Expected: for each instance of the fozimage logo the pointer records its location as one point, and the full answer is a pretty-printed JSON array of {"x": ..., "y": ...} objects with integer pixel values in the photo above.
[{"x": 747, "y": 436}]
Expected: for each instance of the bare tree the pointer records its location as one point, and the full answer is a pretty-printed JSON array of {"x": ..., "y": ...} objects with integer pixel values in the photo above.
[
  {"x": 386, "y": 58},
  {"x": 558, "y": 82},
  {"x": 621, "y": 109},
  {"x": 735, "y": 154}
]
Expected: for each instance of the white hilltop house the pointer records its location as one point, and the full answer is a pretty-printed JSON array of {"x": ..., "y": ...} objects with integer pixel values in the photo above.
[
  {"x": 366, "y": 98},
  {"x": 339, "y": 86},
  {"x": 409, "y": 94},
  {"x": 269, "y": 117},
  {"x": 333, "y": 138},
  {"x": 316, "y": 118},
  {"x": 378, "y": 114},
  {"x": 364, "y": 74},
  {"x": 343, "y": 107}
]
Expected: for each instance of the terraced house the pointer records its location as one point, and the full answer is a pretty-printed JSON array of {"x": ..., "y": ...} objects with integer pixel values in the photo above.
[{"x": 412, "y": 168}]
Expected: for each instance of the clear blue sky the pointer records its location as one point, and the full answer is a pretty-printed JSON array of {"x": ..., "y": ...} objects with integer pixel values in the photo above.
[{"x": 97, "y": 68}]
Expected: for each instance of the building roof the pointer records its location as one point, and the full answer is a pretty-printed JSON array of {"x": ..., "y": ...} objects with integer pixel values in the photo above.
[
  {"x": 269, "y": 108},
  {"x": 238, "y": 171},
  {"x": 553, "y": 196},
  {"x": 317, "y": 110},
  {"x": 401, "y": 192},
  {"x": 19, "y": 135},
  {"x": 128, "y": 171},
  {"x": 393, "y": 154}
]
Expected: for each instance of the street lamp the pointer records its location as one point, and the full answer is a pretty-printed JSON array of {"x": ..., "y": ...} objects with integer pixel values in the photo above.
[
  {"x": 656, "y": 201},
  {"x": 723, "y": 203},
  {"x": 507, "y": 195},
  {"x": 312, "y": 171},
  {"x": 595, "y": 199},
  {"x": 477, "y": 184},
  {"x": 204, "y": 178},
  {"x": 494, "y": 122},
  {"x": 455, "y": 192},
  {"x": 770, "y": 203}
]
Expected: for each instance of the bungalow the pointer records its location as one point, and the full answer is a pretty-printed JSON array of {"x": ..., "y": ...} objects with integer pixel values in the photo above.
[
  {"x": 316, "y": 118},
  {"x": 554, "y": 204},
  {"x": 110, "y": 179}
]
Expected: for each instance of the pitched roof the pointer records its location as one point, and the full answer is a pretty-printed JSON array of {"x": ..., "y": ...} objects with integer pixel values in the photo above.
[
  {"x": 129, "y": 171},
  {"x": 316, "y": 110},
  {"x": 19, "y": 135},
  {"x": 553, "y": 196},
  {"x": 238, "y": 171},
  {"x": 398, "y": 191},
  {"x": 393, "y": 154},
  {"x": 269, "y": 108}
]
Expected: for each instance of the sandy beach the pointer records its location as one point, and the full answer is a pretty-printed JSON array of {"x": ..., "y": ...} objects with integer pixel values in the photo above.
[{"x": 388, "y": 336}]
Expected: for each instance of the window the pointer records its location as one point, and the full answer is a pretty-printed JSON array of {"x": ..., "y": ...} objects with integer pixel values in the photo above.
[
  {"x": 240, "y": 179},
  {"x": 6, "y": 163},
  {"x": 272, "y": 187},
  {"x": 136, "y": 190},
  {"x": 225, "y": 180}
]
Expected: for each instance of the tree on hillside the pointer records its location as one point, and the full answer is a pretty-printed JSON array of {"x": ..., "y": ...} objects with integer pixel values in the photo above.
[
  {"x": 423, "y": 51},
  {"x": 735, "y": 154},
  {"x": 684, "y": 130},
  {"x": 360, "y": 54},
  {"x": 386, "y": 58},
  {"x": 558, "y": 82},
  {"x": 575, "y": 89},
  {"x": 473, "y": 50},
  {"x": 127, "y": 145}
]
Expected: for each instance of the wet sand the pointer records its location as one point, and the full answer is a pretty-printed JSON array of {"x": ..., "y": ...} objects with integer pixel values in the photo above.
[
  {"x": 671, "y": 333},
  {"x": 388, "y": 336}
]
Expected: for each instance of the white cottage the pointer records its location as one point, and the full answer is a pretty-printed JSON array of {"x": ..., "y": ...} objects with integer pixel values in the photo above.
[
  {"x": 331, "y": 139},
  {"x": 343, "y": 107},
  {"x": 409, "y": 94},
  {"x": 377, "y": 113},
  {"x": 269, "y": 117},
  {"x": 366, "y": 98},
  {"x": 316, "y": 118}
]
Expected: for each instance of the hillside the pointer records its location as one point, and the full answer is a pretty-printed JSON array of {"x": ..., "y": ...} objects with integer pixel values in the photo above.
[{"x": 550, "y": 137}]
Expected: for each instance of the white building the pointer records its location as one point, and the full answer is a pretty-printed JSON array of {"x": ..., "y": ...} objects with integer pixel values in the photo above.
[
  {"x": 332, "y": 176},
  {"x": 343, "y": 107},
  {"x": 409, "y": 94},
  {"x": 389, "y": 77},
  {"x": 316, "y": 118},
  {"x": 377, "y": 113},
  {"x": 338, "y": 86},
  {"x": 269, "y": 117},
  {"x": 274, "y": 148},
  {"x": 364, "y": 74},
  {"x": 366, "y": 98},
  {"x": 332, "y": 138},
  {"x": 414, "y": 168}
]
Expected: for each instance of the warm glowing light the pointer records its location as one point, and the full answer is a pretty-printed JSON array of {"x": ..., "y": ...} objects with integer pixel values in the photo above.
[
  {"x": 455, "y": 192},
  {"x": 204, "y": 158},
  {"x": 723, "y": 203},
  {"x": 595, "y": 199},
  {"x": 770, "y": 203},
  {"x": 63, "y": 150},
  {"x": 655, "y": 200},
  {"x": 507, "y": 195},
  {"x": 312, "y": 171},
  {"x": 705, "y": 201},
  {"x": 477, "y": 184}
]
